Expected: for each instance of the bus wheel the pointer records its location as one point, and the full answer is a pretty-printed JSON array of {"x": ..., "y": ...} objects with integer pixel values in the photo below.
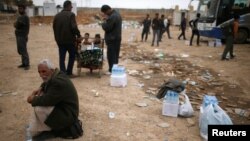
[{"x": 242, "y": 36}]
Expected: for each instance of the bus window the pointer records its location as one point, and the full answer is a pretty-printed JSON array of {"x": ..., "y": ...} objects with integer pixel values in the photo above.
[
  {"x": 212, "y": 8},
  {"x": 241, "y": 4}
]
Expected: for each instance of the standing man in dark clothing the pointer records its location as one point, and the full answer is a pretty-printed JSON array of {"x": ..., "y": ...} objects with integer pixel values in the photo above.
[
  {"x": 183, "y": 28},
  {"x": 66, "y": 33},
  {"x": 22, "y": 26},
  {"x": 162, "y": 26},
  {"x": 195, "y": 31},
  {"x": 156, "y": 29},
  {"x": 230, "y": 31},
  {"x": 146, "y": 26},
  {"x": 112, "y": 26}
]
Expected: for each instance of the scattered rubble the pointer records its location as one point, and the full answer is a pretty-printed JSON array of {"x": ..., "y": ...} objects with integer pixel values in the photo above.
[
  {"x": 161, "y": 66},
  {"x": 242, "y": 112},
  {"x": 190, "y": 122},
  {"x": 163, "y": 125},
  {"x": 141, "y": 104}
]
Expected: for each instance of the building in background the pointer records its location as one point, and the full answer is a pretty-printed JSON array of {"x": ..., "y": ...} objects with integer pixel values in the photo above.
[{"x": 49, "y": 8}]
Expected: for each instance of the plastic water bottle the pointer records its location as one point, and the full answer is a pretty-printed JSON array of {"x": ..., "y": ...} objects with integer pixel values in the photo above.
[
  {"x": 165, "y": 99},
  {"x": 28, "y": 134},
  {"x": 168, "y": 97},
  {"x": 123, "y": 70},
  {"x": 114, "y": 69},
  {"x": 118, "y": 70},
  {"x": 176, "y": 97},
  {"x": 173, "y": 97}
]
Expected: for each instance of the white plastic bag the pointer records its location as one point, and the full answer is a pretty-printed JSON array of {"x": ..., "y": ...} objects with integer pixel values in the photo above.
[
  {"x": 212, "y": 115},
  {"x": 186, "y": 109}
]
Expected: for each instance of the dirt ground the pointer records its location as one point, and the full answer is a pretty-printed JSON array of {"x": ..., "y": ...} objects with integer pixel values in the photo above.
[{"x": 229, "y": 81}]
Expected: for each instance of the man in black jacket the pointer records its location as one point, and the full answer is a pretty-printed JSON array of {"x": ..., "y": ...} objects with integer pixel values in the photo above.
[
  {"x": 112, "y": 26},
  {"x": 55, "y": 103},
  {"x": 162, "y": 26},
  {"x": 156, "y": 25},
  {"x": 66, "y": 33},
  {"x": 193, "y": 24},
  {"x": 146, "y": 26},
  {"x": 183, "y": 28},
  {"x": 22, "y": 26}
]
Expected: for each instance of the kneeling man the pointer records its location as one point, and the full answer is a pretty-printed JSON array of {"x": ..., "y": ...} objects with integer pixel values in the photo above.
[{"x": 55, "y": 104}]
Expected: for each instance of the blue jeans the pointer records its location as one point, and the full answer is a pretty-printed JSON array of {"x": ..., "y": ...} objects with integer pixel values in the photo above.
[
  {"x": 63, "y": 49},
  {"x": 157, "y": 34}
]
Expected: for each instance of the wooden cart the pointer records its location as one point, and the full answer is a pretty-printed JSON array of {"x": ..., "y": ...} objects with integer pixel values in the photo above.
[{"x": 90, "y": 57}]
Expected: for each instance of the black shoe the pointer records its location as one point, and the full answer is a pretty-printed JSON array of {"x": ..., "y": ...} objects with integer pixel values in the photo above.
[
  {"x": 232, "y": 56},
  {"x": 45, "y": 135},
  {"x": 224, "y": 59},
  {"x": 21, "y": 66},
  {"x": 26, "y": 67},
  {"x": 71, "y": 75}
]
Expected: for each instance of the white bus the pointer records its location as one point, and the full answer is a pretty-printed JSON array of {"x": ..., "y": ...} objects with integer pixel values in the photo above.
[{"x": 215, "y": 13}]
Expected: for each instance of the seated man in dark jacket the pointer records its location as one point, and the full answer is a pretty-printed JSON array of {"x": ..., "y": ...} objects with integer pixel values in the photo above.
[{"x": 55, "y": 103}]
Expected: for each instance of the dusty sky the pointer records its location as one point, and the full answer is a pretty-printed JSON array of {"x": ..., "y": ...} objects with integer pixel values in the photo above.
[{"x": 158, "y": 4}]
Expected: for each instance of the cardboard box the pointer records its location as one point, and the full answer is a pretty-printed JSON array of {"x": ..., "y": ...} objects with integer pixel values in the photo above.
[
  {"x": 170, "y": 109},
  {"x": 118, "y": 80},
  {"x": 211, "y": 43}
]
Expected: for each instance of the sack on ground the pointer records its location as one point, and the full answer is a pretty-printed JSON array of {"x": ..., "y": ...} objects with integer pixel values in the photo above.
[
  {"x": 172, "y": 84},
  {"x": 186, "y": 109},
  {"x": 213, "y": 114}
]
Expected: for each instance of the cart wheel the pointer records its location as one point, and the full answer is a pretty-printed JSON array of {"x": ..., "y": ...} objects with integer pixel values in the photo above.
[{"x": 78, "y": 71}]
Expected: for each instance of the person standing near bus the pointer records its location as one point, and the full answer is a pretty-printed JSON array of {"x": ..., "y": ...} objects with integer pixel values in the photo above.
[
  {"x": 183, "y": 28},
  {"x": 146, "y": 26},
  {"x": 230, "y": 32},
  {"x": 195, "y": 31}
]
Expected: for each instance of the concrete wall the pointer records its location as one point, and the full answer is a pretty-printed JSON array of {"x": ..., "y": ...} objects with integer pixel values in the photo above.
[
  {"x": 176, "y": 17},
  {"x": 30, "y": 11},
  {"x": 40, "y": 11},
  {"x": 49, "y": 8}
]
